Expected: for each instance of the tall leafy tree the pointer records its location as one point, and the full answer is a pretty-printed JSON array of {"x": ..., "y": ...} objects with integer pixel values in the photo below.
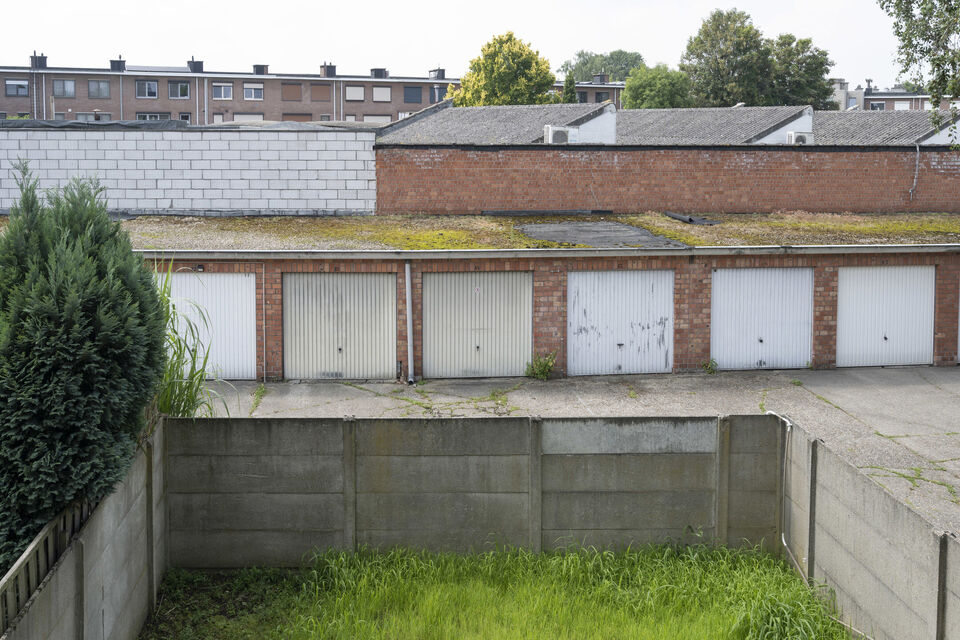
[
  {"x": 507, "y": 71},
  {"x": 799, "y": 73},
  {"x": 617, "y": 64},
  {"x": 81, "y": 352},
  {"x": 728, "y": 62},
  {"x": 569, "y": 90},
  {"x": 656, "y": 87},
  {"x": 929, "y": 51}
]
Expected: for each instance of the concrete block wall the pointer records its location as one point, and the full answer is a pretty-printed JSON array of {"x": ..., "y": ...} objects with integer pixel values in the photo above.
[
  {"x": 104, "y": 585},
  {"x": 893, "y": 575},
  {"x": 459, "y": 180},
  {"x": 203, "y": 172},
  {"x": 242, "y": 493}
]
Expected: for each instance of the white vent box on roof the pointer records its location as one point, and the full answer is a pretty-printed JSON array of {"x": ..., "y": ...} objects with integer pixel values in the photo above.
[
  {"x": 560, "y": 135},
  {"x": 799, "y": 137}
]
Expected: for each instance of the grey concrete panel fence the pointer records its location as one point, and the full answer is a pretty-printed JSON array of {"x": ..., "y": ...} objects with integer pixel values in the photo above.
[
  {"x": 255, "y": 491},
  {"x": 103, "y": 586},
  {"x": 891, "y": 572},
  {"x": 225, "y": 493}
]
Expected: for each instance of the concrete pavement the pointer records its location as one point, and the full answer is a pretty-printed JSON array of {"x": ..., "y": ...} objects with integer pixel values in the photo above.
[{"x": 899, "y": 425}]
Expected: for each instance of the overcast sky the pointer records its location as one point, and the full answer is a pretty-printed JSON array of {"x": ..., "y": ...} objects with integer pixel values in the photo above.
[{"x": 411, "y": 37}]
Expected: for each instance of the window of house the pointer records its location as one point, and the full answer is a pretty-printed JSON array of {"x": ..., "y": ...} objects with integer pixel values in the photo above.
[
  {"x": 297, "y": 117},
  {"x": 851, "y": 102},
  {"x": 382, "y": 94},
  {"x": 94, "y": 117},
  {"x": 877, "y": 106},
  {"x": 353, "y": 93},
  {"x": 901, "y": 105},
  {"x": 3, "y": 115},
  {"x": 253, "y": 91},
  {"x": 350, "y": 118},
  {"x": 178, "y": 90},
  {"x": 581, "y": 96},
  {"x": 153, "y": 116},
  {"x": 437, "y": 92},
  {"x": 23, "y": 114},
  {"x": 376, "y": 118},
  {"x": 217, "y": 118},
  {"x": 146, "y": 88},
  {"x": 413, "y": 95},
  {"x": 320, "y": 92},
  {"x": 60, "y": 116},
  {"x": 247, "y": 117},
  {"x": 98, "y": 88},
  {"x": 601, "y": 96},
  {"x": 64, "y": 89},
  {"x": 185, "y": 116},
  {"x": 404, "y": 114},
  {"x": 325, "y": 117},
  {"x": 290, "y": 91},
  {"x": 223, "y": 91},
  {"x": 16, "y": 88}
]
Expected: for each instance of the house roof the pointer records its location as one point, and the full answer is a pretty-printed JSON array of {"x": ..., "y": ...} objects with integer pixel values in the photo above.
[
  {"x": 709, "y": 126},
  {"x": 517, "y": 124},
  {"x": 873, "y": 128}
]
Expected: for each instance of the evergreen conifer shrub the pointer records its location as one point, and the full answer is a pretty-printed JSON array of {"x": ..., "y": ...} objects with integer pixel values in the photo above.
[{"x": 81, "y": 352}]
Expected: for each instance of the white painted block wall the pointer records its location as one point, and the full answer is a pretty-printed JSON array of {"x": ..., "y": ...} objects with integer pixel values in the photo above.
[{"x": 215, "y": 172}]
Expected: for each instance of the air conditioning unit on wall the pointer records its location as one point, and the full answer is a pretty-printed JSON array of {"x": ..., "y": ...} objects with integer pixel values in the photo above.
[
  {"x": 560, "y": 135},
  {"x": 799, "y": 137}
]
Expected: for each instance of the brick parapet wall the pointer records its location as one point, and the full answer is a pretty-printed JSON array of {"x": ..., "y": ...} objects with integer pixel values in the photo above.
[
  {"x": 692, "y": 298},
  {"x": 693, "y": 180},
  {"x": 210, "y": 172}
]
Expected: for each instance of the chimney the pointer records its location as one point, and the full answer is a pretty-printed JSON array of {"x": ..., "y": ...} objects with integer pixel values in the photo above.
[
  {"x": 869, "y": 88},
  {"x": 438, "y": 74},
  {"x": 195, "y": 66},
  {"x": 38, "y": 61},
  {"x": 260, "y": 69},
  {"x": 379, "y": 73},
  {"x": 601, "y": 78},
  {"x": 119, "y": 64},
  {"x": 328, "y": 70}
]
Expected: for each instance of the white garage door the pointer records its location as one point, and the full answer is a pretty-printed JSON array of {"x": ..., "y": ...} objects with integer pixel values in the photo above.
[
  {"x": 885, "y": 316},
  {"x": 339, "y": 325},
  {"x": 619, "y": 322},
  {"x": 477, "y": 324},
  {"x": 229, "y": 331},
  {"x": 761, "y": 318}
]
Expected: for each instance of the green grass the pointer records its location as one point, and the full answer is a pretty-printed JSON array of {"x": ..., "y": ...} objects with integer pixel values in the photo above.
[{"x": 648, "y": 593}]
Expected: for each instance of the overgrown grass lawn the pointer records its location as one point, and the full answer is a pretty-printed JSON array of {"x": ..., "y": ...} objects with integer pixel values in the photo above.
[{"x": 656, "y": 592}]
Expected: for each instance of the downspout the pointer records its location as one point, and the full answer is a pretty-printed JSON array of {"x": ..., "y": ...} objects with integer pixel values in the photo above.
[
  {"x": 43, "y": 96},
  {"x": 197, "y": 96},
  {"x": 206, "y": 101},
  {"x": 916, "y": 172},
  {"x": 121, "y": 97},
  {"x": 34, "y": 95},
  {"x": 409, "y": 288}
]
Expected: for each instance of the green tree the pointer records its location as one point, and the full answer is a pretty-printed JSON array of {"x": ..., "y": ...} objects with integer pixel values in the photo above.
[
  {"x": 507, "y": 71},
  {"x": 929, "y": 50},
  {"x": 81, "y": 352},
  {"x": 656, "y": 87},
  {"x": 569, "y": 90},
  {"x": 617, "y": 64},
  {"x": 799, "y": 72},
  {"x": 728, "y": 61}
]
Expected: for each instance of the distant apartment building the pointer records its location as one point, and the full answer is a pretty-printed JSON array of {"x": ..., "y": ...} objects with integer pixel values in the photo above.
[
  {"x": 874, "y": 99},
  {"x": 127, "y": 92},
  {"x": 190, "y": 93}
]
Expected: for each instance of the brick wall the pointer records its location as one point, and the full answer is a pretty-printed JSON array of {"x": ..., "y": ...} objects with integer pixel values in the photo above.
[
  {"x": 456, "y": 181},
  {"x": 212, "y": 172},
  {"x": 692, "y": 297}
]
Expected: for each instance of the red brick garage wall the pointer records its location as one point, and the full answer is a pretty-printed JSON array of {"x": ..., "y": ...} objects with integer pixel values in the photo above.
[
  {"x": 695, "y": 180},
  {"x": 692, "y": 297}
]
